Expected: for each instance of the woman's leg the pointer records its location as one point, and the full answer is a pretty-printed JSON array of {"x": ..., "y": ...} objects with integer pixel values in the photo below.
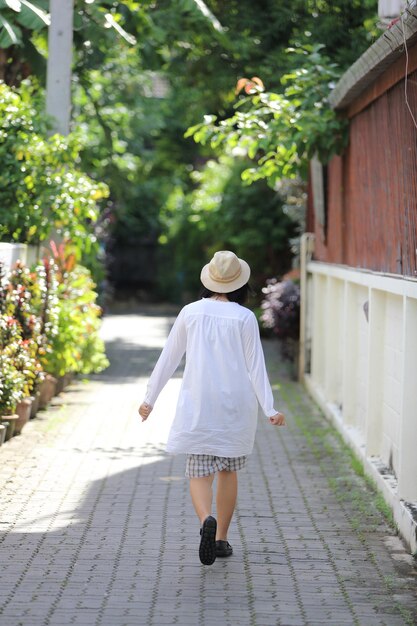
[
  {"x": 201, "y": 490},
  {"x": 225, "y": 501}
]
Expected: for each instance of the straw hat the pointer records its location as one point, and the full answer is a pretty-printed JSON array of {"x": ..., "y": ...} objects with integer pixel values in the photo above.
[{"x": 225, "y": 272}]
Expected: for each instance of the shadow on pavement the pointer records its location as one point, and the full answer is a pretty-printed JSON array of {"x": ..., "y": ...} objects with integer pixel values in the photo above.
[{"x": 106, "y": 534}]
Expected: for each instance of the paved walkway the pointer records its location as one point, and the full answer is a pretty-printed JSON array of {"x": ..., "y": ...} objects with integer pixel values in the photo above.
[{"x": 98, "y": 530}]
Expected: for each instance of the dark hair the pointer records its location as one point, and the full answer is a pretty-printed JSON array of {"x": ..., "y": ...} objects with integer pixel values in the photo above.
[{"x": 239, "y": 295}]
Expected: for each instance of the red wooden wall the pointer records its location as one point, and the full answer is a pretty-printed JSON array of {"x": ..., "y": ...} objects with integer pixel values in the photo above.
[{"x": 372, "y": 188}]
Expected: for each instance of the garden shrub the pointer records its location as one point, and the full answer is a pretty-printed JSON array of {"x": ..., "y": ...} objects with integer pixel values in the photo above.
[
  {"x": 222, "y": 214},
  {"x": 281, "y": 308},
  {"x": 281, "y": 313},
  {"x": 49, "y": 322},
  {"x": 12, "y": 367},
  {"x": 75, "y": 344},
  {"x": 42, "y": 191}
]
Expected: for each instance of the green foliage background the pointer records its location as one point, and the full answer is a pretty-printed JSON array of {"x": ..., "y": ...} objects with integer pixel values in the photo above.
[
  {"x": 221, "y": 213},
  {"x": 42, "y": 190},
  {"x": 144, "y": 72}
]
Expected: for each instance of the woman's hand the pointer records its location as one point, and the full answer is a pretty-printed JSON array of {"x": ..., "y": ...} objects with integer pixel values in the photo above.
[
  {"x": 278, "y": 419},
  {"x": 145, "y": 410}
]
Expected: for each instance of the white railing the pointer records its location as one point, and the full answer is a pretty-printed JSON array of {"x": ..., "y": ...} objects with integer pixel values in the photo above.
[{"x": 359, "y": 355}]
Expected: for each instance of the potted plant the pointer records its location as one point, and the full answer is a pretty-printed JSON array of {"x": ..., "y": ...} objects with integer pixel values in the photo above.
[
  {"x": 11, "y": 392},
  {"x": 12, "y": 380},
  {"x": 3, "y": 430},
  {"x": 37, "y": 384},
  {"x": 25, "y": 362},
  {"x": 24, "y": 303},
  {"x": 76, "y": 346},
  {"x": 47, "y": 283}
]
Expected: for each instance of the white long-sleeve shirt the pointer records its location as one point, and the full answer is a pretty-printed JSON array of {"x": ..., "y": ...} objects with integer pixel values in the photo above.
[{"x": 224, "y": 379}]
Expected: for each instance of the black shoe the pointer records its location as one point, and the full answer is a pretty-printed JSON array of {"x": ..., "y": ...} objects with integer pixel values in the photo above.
[
  {"x": 223, "y": 548},
  {"x": 207, "y": 551}
]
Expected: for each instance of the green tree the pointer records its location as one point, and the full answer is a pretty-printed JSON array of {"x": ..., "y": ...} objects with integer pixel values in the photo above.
[
  {"x": 221, "y": 213},
  {"x": 200, "y": 62},
  {"x": 20, "y": 22},
  {"x": 16, "y": 15},
  {"x": 41, "y": 188},
  {"x": 281, "y": 132},
  {"x": 135, "y": 141}
]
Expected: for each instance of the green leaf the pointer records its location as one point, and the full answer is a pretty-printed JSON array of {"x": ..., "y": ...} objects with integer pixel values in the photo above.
[
  {"x": 203, "y": 8},
  {"x": 15, "y": 5},
  {"x": 10, "y": 35},
  {"x": 192, "y": 130},
  {"x": 32, "y": 16},
  {"x": 110, "y": 22}
]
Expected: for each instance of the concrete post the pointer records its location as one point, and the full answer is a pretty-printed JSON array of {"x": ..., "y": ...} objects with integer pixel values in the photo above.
[
  {"x": 58, "y": 79},
  {"x": 350, "y": 353},
  {"x": 333, "y": 338},
  {"x": 318, "y": 330},
  {"x": 375, "y": 372},
  {"x": 306, "y": 251},
  {"x": 407, "y": 472}
]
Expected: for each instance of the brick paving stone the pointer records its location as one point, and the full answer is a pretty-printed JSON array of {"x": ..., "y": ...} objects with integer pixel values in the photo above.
[{"x": 97, "y": 527}]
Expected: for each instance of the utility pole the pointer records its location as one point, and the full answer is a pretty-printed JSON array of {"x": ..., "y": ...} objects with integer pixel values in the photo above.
[{"x": 58, "y": 77}]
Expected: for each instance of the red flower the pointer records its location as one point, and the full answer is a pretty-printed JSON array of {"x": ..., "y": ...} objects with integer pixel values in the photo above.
[{"x": 250, "y": 86}]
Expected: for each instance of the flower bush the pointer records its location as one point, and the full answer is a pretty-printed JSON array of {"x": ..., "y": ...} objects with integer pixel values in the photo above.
[
  {"x": 24, "y": 304},
  {"x": 48, "y": 310},
  {"x": 281, "y": 313},
  {"x": 12, "y": 378},
  {"x": 281, "y": 308},
  {"x": 75, "y": 345},
  {"x": 49, "y": 322},
  {"x": 24, "y": 300}
]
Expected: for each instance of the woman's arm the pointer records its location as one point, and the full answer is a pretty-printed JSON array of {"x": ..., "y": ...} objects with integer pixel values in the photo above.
[
  {"x": 166, "y": 365},
  {"x": 255, "y": 362}
]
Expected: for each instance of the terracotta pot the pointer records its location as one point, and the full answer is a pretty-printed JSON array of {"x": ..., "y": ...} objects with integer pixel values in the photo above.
[
  {"x": 60, "y": 384},
  {"x": 23, "y": 410},
  {"x": 47, "y": 391},
  {"x": 35, "y": 406},
  {"x": 9, "y": 421},
  {"x": 63, "y": 382},
  {"x": 2, "y": 434},
  {"x": 68, "y": 378}
]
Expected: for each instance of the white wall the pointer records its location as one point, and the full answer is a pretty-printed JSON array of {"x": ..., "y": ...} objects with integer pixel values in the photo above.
[
  {"x": 12, "y": 252},
  {"x": 362, "y": 329},
  {"x": 389, "y": 9},
  {"x": 391, "y": 383}
]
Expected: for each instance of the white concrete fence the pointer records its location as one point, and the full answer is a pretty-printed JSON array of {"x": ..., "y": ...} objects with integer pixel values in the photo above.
[
  {"x": 12, "y": 252},
  {"x": 359, "y": 362}
]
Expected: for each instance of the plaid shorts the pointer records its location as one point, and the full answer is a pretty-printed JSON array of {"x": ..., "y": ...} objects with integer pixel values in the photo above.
[{"x": 200, "y": 465}]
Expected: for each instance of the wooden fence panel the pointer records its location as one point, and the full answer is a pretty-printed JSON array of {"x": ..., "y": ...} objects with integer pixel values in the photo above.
[{"x": 372, "y": 189}]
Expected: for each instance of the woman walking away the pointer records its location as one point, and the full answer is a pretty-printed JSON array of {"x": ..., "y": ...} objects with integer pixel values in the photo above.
[{"x": 224, "y": 379}]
